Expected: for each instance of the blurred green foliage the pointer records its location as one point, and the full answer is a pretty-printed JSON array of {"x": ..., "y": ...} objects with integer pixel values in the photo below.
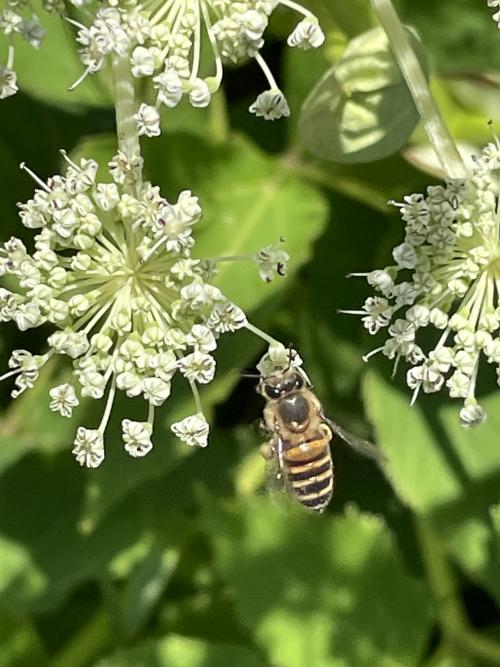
[{"x": 180, "y": 559}]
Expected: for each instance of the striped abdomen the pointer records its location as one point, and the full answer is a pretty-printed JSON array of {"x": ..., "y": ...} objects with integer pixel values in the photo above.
[{"x": 310, "y": 472}]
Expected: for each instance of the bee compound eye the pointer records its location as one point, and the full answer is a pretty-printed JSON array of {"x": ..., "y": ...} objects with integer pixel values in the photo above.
[
  {"x": 271, "y": 392},
  {"x": 299, "y": 381}
]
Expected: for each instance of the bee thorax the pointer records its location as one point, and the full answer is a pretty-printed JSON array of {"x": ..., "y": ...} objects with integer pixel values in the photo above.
[{"x": 294, "y": 411}]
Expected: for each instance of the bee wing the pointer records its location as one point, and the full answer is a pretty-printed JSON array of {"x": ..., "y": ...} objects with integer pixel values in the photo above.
[
  {"x": 278, "y": 484},
  {"x": 361, "y": 446}
]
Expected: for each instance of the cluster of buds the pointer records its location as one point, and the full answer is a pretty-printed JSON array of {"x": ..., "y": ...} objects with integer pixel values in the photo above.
[
  {"x": 113, "y": 273},
  {"x": 15, "y": 21},
  {"x": 163, "y": 41},
  {"x": 446, "y": 276}
]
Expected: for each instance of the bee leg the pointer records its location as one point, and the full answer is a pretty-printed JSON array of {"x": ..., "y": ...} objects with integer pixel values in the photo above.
[
  {"x": 267, "y": 451},
  {"x": 262, "y": 428}
]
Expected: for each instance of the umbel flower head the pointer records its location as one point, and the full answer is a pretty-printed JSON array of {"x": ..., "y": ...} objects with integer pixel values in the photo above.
[
  {"x": 165, "y": 41},
  {"x": 446, "y": 279},
  {"x": 17, "y": 22},
  {"x": 112, "y": 272}
]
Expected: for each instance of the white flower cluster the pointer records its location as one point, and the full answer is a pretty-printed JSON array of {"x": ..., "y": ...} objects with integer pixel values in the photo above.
[
  {"x": 163, "y": 41},
  {"x": 112, "y": 272},
  {"x": 447, "y": 277},
  {"x": 14, "y": 21},
  {"x": 495, "y": 4}
]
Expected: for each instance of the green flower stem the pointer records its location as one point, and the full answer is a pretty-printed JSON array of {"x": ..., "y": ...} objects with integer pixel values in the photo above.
[
  {"x": 94, "y": 637},
  {"x": 459, "y": 640},
  {"x": 437, "y": 132},
  {"x": 218, "y": 118},
  {"x": 125, "y": 108},
  {"x": 450, "y": 609}
]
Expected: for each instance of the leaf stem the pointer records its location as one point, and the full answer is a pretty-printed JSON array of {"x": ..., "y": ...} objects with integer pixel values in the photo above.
[
  {"x": 460, "y": 640},
  {"x": 437, "y": 131},
  {"x": 218, "y": 119},
  {"x": 449, "y": 606},
  {"x": 125, "y": 108}
]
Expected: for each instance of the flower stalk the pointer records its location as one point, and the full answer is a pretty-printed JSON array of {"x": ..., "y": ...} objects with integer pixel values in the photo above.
[
  {"x": 435, "y": 127},
  {"x": 125, "y": 108}
]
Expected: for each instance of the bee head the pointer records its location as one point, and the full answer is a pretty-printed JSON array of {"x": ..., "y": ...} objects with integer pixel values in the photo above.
[{"x": 280, "y": 384}]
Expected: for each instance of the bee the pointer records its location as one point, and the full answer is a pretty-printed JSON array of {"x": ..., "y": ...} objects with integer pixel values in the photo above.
[{"x": 300, "y": 437}]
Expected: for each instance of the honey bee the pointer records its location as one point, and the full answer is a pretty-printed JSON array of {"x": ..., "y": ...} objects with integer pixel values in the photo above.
[{"x": 300, "y": 437}]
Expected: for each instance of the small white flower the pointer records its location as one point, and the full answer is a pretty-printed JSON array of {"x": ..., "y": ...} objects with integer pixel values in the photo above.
[
  {"x": 418, "y": 315},
  {"x": 10, "y": 22},
  {"x": 201, "y": 338},
  {"x": 197, "y": 367},
  {"x": 270, "y": 105},
  {"x": 472, "y": 415},
  {"x": 124, "y": 169},
  {"x": 307, "y": 35},
  {"x": 130, "y": 383},
  {"x": 142, "y": 62},
  {"x": 278, "y": 358},
  {"x": 379, "y": 313},
  {"x": 253, "y": 24},
  {"x": 458, "y": 385},
  {"x": 438, "y": 318},
  {"x": 148, "y": 121},
  {"x": 8, "y": 82},
  {"x": 272, "y": 262},
  {"x": 226, "y": 317},
  {"x": 65, "y": 223},
  {"x": 426, "y": 376},
  {"x": 169, "y": 88},
  {"x": 137, "y": 437},
  {"x": 107, "y": 196},
  {"x": 192, "y": 430},
  {"x": 496, "y": 16},
  {"x": 155, "y": 390},
  {"x": 63, "y": 399},
  {"x": 380, "y": 280},
  {"x": 199, "y": 93},
  {"x": 88, "y": 447},
  {"x": 27, "y": 316},
  {"x": 405, "y": 256},
  {"x": 33, "y": 32}
]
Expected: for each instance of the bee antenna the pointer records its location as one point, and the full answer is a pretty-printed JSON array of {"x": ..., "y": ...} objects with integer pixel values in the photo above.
[
  {"x": 290, "y": 350},
  {"x": 251, "y": 376}
]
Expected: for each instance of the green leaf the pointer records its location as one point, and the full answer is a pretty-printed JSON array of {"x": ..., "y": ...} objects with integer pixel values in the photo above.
[
  {"x": 350, "y": 17},
  {"x": 434, "y": 463},
  {"x": 20, "y": 578},
  {"x": 45, "y": 552},
  {"x": 442, "y": 470},
  {"x": 176, "y": 651},
  {"x": 145, "y": 585},
  {"x": 19, "y": 642},
  {"x": 459, "y": 35},
  {"x": 350, "y": 116},
  {"x": 319, "y": 590}
]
